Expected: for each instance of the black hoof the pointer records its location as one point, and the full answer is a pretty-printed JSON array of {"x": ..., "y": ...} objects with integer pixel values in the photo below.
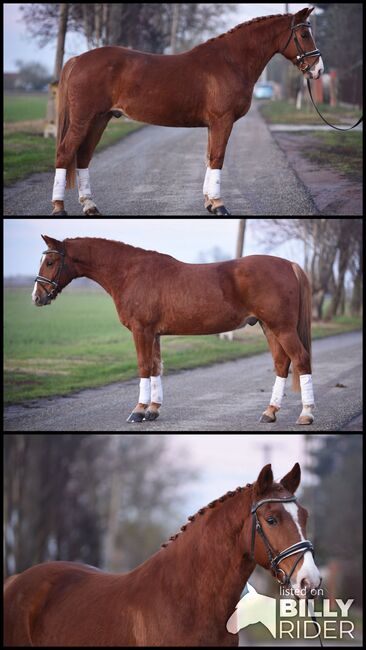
[
  {"x": 59, "y": 214},
  {"x": 209, "y": 208},
  {"x": 93, "y": 212},
  {"x": 150, "y": 416},
  {"x": 136, "y": 416},
  {"x": 265, "y": 419},
  {"x": 221, "y": 210}
]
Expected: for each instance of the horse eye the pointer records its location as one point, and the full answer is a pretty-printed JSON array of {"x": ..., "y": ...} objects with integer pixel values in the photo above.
[
  {"x": 271, "y": 521},
  {"x": 305, "y": 35},
  {"x": 49, "y": 263}
]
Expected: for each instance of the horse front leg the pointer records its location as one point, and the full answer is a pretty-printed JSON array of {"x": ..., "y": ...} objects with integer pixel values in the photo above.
[
  {"x": 144, "y": 342},
  {"x": 156, "y": 402},
  {"x": 219, "y": 133}
]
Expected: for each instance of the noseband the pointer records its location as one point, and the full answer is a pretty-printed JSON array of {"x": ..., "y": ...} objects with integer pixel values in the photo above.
[
  {"x": 301, "y": 54},
  {"x": 55, "y": 283},
  {"x": 300, "y": 547}
]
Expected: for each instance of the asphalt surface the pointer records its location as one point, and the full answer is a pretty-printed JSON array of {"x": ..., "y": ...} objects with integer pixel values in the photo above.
[
  {"x": 160, "y": 171},
  {"x": 224, "y": 397}
]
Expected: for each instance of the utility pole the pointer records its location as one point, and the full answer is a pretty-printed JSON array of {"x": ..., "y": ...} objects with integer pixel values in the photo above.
[
  {"x": 173, "y": 34},
  {"x": 241, "y": 238},
  {"x": 50, "y": 128}
]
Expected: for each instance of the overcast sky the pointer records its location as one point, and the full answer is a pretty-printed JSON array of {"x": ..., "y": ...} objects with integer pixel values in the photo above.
[
  {"x": 226, "y": 461},
  {"x": 18, "y": 44},
  {"x": 185, "y": 239}
]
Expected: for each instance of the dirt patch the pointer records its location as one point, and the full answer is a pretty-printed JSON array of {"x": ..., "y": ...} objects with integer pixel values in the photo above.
[{"x": 333, "y": 193}]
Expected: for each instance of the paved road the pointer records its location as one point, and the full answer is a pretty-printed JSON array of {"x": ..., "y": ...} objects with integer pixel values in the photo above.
[
  {"x": 160, "y": 171},
  {"x": 224, "y": 397}
]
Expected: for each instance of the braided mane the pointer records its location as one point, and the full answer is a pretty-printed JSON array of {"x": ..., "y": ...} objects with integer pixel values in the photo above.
[
  {"x": 245, "y": 24},
  {"x": 202, "y": 511}
]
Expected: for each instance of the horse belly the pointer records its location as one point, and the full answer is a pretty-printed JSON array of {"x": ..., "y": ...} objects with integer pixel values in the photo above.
[{"x": 205, "y": 320}]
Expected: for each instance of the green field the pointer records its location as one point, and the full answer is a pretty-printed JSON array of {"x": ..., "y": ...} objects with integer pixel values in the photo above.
[
  {"x": 26, "y": 151},
  {"x": 78, "y": 342}
]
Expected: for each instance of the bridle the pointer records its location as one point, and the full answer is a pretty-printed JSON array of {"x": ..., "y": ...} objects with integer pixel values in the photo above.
[
  {"x": 300, "y": 547},
  {"x": 299, "y": 61},
  {"x": 55, "y": 283}
]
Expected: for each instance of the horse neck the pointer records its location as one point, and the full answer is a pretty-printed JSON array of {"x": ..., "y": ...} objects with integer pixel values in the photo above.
[
  {"x": 253, "y": 46},
  {"x": 206, "y": 562},
  {"x": 101, "y": 260}
]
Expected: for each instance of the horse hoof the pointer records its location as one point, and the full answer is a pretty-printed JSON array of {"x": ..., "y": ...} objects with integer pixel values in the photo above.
[
  {"x": 221, "y": 211},
  {"x": 136, "y": 416},
  {"x": 209, "y": 208},
  {"x": 150, "y": 416},
  {"x": 59, "y": 214},
  {"x": 93, "y": 212},
  {"x": 305, "y": 419},
  {"x": 266, "y": 419}
]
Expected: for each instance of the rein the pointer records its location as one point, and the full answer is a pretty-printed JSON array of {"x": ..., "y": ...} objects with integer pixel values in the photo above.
[{"x": 323, "y": 118}]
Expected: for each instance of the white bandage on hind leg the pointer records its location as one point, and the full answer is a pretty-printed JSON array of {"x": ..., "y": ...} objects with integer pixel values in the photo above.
[
  {"x": 278, "y": 392},
  {"x": 214, "y": 184},
  {"x": 206, "y": 181},
  {"x": 307, "y": 392},
  {"x": 145, "y": 391},
  {"x": 156, "y": 390},
  {"x": 59, "y": 185},
  {"x": 83, "y": 182}
]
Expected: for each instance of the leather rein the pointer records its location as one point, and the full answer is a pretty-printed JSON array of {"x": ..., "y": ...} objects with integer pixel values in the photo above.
[{"x": 299, "y": 61}]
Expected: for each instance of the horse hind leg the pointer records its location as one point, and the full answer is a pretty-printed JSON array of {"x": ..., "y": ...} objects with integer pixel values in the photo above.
[
  {"x": 282, "y": 365},
  {"x": 84, "y": 156},
  {"x": 65, "y": 165}
]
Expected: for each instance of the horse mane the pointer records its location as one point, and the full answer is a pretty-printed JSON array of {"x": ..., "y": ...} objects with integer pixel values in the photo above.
[
  {"x": 241, "y": 25},
  {"x": 202, "y": 511},
  {"x": 274, "y": 487}
]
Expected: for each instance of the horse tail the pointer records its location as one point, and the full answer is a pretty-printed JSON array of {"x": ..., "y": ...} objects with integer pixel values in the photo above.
[
  {"x": 304, "y": 322},
  {"x": 64, "y": 118}
]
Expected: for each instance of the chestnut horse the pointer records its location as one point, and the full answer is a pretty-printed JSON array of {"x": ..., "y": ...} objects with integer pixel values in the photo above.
[
  {"x": 210, "y": 86},
  {"x": 183, "y": 595},
  {"x": 157, "y": 295}
]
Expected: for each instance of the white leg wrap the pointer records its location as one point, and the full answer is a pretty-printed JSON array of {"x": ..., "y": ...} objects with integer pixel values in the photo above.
[
  {"x": 278, "y": 392},
  {"x": 156, "y": 390},
  {"x": 214, "y": 184},
  {"x": 307, "y": 393},
  {"x": 59, "y": 185},
  {"x": 83, "y": 182},
  {"x": 145, "y": 391},
  {"x": 206, "y": 182}
]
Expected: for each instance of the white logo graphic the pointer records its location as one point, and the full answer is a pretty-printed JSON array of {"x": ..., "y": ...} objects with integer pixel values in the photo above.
[
  {"x": 256, "y": 608},
  {"x": 253, "y": 608}
]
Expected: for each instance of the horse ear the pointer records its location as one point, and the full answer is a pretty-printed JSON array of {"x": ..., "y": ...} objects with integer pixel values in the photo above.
[
  {"x": 303, "y": 14},
  {"x": 292, "y": 480},
  {"x": 264, "y": 481},
  {"x": 50, "y": 242}
]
